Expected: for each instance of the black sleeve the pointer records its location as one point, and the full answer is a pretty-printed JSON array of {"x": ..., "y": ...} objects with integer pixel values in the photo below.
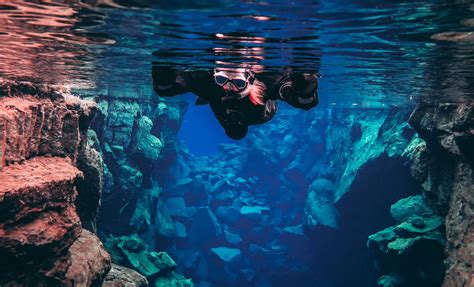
[{"x": 166, "y": 82}]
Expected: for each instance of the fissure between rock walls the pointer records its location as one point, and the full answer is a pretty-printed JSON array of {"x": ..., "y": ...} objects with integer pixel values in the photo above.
[{"x": 290, "y": 204}]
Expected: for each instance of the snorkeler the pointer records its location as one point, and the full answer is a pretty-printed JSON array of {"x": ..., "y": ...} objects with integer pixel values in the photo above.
[{"x": 235, "y": 96}]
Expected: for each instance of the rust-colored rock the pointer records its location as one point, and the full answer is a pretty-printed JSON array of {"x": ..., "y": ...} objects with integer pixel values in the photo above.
[
  {"x": 3, "y": 133},
  {"x": 43, "y": 144},
  {"x": 39, "y": 184},
  {"x": 90, "y": 186},
  {"x": 120, "y": 276},
  {"x": 37, "y": 215},
  {"x": 39, "y": 239},
  {"x": 85, "y": 264},
  {"x": 35, "y": 125}
]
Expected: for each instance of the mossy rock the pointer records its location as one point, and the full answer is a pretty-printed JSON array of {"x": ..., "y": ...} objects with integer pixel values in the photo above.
[
  {"x": 173, "y": 280},
  {"x": 409, "y": 207},
  {"x": 389, "y": 281},
  {"x": 132, "y": 252},
  {"x": 380, "y": 239},
  {"x": 419, "y": 225}
]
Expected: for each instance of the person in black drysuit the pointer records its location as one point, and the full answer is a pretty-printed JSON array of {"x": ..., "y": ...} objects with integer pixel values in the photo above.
[
  {"x": 238, "y": 97},
  {"x": 234, "y": 95}
]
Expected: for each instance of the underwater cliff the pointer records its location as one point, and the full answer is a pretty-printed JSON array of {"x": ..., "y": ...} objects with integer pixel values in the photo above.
[{"x": 386, "y": 197}]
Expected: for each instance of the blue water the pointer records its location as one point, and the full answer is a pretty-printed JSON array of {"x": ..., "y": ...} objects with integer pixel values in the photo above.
[
  {"x": 200, "y": 131},
  {"x": 375, "y": 59}
]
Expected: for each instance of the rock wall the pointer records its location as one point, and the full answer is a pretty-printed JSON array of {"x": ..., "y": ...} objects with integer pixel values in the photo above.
[
  {"x": 445, "y": 168},
  {"x": 137, "y": 142},
  {"x": 437, "y": 223},
  {"x": 51, "y": 180},
  {"x": 264, "y": 212}
]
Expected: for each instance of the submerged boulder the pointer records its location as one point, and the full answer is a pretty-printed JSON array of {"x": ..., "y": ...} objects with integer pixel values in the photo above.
[
  {"x": 38, "y": 221},
  {"x": 320, "y": 210},
  {"x": 412, "y": 252},
  {"x": 120, "y": 276},
  {"x": 173, "y": 280},
  {"x": 86, "y": 264},
  {"x": 253, "y": 213},
  {"x": 408, "y": 207},
  {"x": 144, "y": 143},
  {"x": 226, "y": 255},
  {"x": 205, "y": 222},
  {"x": 132, "y": 251},
  {"x": 232, "y": 238},
  {"x": 224, "y": 264}
]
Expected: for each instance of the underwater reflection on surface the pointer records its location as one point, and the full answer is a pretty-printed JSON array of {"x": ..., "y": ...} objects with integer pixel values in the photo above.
[{"x": 369, "y": 54}]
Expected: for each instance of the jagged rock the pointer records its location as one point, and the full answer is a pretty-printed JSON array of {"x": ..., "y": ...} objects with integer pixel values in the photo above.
[
  {"x": 86, "y": 263},
  {"x": 220, "y": 185},
  {"x": 143, "y": 142},
  {"x": 120, "y": 276},
  {"x": 390, "y": 281},
  {"x": 167, "y": 118},
  {"x": 164, "y": 227},
  {"x": 320, "y": 209},
  {"x": 410, "y": 253},
  {"x": 24, "y": 195},
  {"x": 248, "y": 274},
  {"x": 253, "y": 213},
  {"x": 40, "y": 232},
  {"x": 292, "y": 235},
  {"x": 45, "y": 236},
  {"x": 232, "y": 238},
  {"x": 225, "y": 197},
  {"x": 35, "y": 126},
  {"x": 132, "y": 251},
  {"x": 194, "y": 263},
  {"x": 129, "y": 178},
  {"x": 192, "y": 190},
  {"x": 176, "y": 206},
  {"x": 288, "y": 142},
  {"x": 405, "y": 208},
  {"x": 38, "y": 217},
  {"x": 228, "y": 214},
  {"x": 180, "y": 230},
  {"x": 173, "y": 280},
  {"x": 205, "y": 222},
  {"x": 448, "y": 159},
  {"x": 419, "y": 225},
  {"x": 224, "y": 264},
  {"x": 226, "y": 255},
  {"x": 121, "y": 116},
  {"x": 90, "y": 186}
]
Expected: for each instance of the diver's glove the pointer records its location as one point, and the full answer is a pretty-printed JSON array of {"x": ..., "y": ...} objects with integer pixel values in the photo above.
[
  {"x": 166, "y": 82},
  {"x": 299, "y": 90}
]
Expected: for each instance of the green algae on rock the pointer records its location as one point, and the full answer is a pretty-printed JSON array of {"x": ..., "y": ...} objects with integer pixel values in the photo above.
[{"x": 132, "y": 251}]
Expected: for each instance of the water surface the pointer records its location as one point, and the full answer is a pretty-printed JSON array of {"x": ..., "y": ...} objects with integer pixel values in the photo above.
[{"x": 368, "y": 53}]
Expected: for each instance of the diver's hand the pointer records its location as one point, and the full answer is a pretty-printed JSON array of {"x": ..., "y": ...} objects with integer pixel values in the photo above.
[{"x": 304, "y": 102}]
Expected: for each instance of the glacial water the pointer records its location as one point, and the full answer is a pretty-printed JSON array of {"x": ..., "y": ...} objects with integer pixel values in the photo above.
[{"x": 291, "y": 204}]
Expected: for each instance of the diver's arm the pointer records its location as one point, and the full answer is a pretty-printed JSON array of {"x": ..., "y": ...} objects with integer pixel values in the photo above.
[
  {"x": 297, "y": 89},
  {"x": 303, "y": 102},
  {"x": 168, "y": 82}
]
